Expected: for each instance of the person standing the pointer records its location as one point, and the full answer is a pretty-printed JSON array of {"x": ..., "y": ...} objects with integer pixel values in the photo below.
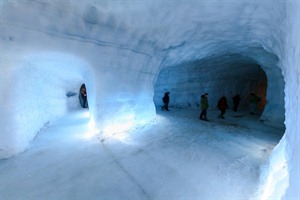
[
  {"x": 166, "y": 100},
  {"x": 204, "y": 107},
  {"x": 253, "y": 100},
  {"x": 236, "y": 101},
  {"x": 222, "y": 105},
  {"x": 83, "y": 96}
]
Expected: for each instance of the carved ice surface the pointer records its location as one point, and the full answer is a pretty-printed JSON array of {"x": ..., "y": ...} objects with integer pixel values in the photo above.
[{"x": 129, "y": 53}]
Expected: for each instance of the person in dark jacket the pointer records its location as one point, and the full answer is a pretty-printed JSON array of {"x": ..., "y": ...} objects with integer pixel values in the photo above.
[
  {"x": 83, "y": 96},
  {"x": 204, "y": 106},
  {"x": 236, "y": 101},
  {"x": 166, "y": 100},
  {"x": 253, "y": 101},
  {"x": 222, "y": 105}
]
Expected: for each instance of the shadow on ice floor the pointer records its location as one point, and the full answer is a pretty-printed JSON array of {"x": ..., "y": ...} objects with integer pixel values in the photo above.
[{"x": 176, "y": 156}]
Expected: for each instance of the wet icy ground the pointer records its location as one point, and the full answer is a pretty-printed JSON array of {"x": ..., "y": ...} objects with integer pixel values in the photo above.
[{"x": 176, "y": 156}]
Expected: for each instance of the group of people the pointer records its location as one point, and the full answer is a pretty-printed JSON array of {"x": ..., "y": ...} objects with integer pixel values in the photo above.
[{"x": 222, "y": 104}]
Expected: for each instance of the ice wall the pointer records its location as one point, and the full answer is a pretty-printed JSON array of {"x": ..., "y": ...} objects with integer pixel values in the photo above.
[
  {"x": 49, "y": 47},
  {"x": 127, "y": 52},
  {"x": 126, "y": 46},
  {"x": 292, "y": 99},
  {"x": 34, "y": 93},
  {"x": 280, "y": 177},
  {"x": 286, "y": 159}
]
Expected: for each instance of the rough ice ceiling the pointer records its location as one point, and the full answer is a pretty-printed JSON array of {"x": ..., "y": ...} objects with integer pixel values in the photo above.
[{"x": 128, "y": 53}]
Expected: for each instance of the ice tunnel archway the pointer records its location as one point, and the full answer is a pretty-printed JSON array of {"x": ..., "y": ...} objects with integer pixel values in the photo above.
[
  {"x": 51, "y": 80},
  {"x": 82, "y": 95},
  {"x": 225, "y": 74}
]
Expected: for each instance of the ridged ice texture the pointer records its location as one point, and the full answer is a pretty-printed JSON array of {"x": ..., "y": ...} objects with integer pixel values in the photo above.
[{"x": 126, "y": 44}]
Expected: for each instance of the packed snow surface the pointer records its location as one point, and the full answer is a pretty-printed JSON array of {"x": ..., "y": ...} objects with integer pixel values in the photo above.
[{"x": 175, "y": 156}]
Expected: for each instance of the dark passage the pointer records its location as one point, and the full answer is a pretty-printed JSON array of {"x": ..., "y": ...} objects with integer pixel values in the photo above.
[
  {"x": 83, "y": 97},
  {"x": 222, "y": 75}
]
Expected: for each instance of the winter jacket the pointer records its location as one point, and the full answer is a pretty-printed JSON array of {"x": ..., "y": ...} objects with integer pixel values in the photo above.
[
  {"x": 166, "y": 98},
  {"x": 236, "y": 99},
  {"x": 222, "y": 104},
  {"x": 204, "y": 102}
]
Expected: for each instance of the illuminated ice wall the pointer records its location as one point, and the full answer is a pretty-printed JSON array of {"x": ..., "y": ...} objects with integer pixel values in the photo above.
[{"x": 128, "y": 53}]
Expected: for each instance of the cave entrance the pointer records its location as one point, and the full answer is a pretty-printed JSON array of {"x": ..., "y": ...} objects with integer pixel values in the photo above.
[{"x": 227, "y": 75}]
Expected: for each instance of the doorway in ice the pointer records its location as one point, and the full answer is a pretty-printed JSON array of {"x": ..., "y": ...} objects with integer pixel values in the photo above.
[
  {"x": 226, "y": 75},
  {"x": 83, "y": 96}
]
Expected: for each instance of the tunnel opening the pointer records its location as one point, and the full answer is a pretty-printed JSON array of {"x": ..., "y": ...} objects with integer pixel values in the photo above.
[
  {"x": 228, "y": 74},
  {"x": 83, "y": 96},
  {"x": 52, "y": 81}
]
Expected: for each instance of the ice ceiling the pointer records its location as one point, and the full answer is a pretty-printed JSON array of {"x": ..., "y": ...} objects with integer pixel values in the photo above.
[
  {"x": 125, "y": 46},
  {"x": 129, "y": 52}
]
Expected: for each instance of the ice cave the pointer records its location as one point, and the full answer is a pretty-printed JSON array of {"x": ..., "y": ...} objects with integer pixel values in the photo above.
[{"x": 128, "y": 54}]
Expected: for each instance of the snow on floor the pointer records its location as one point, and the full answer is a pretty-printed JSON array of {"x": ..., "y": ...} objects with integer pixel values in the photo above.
[{"x": 176, "y": 156}]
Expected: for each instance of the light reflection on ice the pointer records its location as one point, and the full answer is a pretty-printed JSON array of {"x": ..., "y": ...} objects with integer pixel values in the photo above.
[{"x": 117, "y": 130}]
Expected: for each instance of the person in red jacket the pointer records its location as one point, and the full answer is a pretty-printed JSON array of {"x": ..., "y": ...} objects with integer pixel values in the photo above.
[{"x": 222, "y": 105}]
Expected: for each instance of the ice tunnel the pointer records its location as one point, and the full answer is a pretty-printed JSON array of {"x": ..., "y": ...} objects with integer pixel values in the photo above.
[
  {"x": 46, "y": 89},
  {"x": 128, "y": 53},
  {"x": 228, "y": 74}
]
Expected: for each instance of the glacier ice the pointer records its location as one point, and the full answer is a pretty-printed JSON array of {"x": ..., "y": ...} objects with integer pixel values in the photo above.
[{"x": 127, "y": 53}]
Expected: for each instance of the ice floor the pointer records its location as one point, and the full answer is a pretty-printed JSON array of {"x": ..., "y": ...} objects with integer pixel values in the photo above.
[{"x": 176, "y": 156}]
